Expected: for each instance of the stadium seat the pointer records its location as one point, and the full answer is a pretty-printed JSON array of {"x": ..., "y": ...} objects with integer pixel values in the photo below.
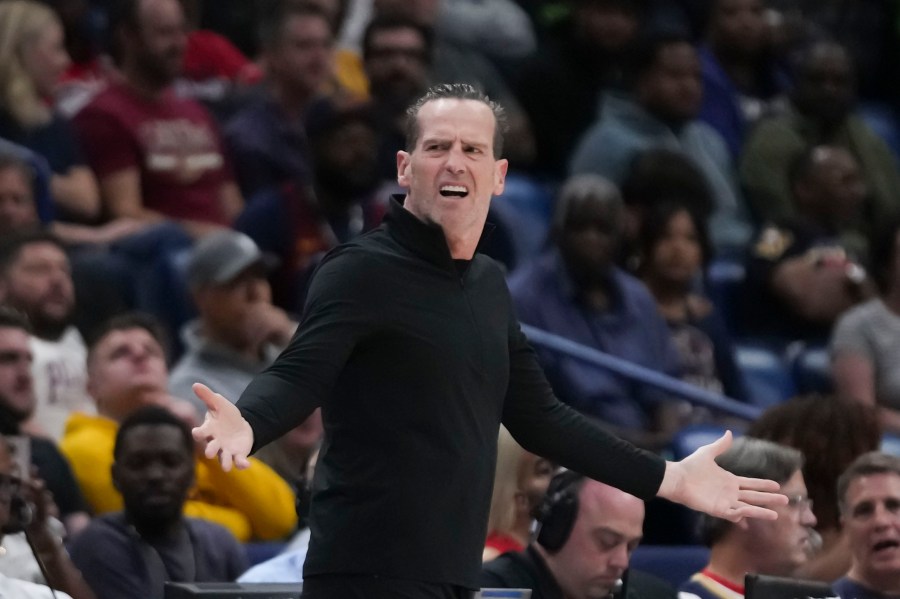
[
  {"x": 890, "y": 443},
  {"x": 811, "y": 369},
  {"x": 766, "y": 374},
  {"x": 724, "y": 280},
  {"x": 673, "y": 563}
]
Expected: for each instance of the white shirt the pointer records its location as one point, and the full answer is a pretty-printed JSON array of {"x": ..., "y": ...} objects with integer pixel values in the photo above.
[
  {"x": 10, "y": 588},
  {"x": 59, "y": 371}
]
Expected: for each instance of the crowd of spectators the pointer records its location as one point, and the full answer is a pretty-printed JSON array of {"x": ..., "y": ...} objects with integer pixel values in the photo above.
[{"x": 172, "y": 172}]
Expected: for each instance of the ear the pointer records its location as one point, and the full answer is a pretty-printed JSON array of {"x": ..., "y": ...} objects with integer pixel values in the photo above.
[
  {"x": 403, "y": 168},
  {"x": 500, "y": 168}
]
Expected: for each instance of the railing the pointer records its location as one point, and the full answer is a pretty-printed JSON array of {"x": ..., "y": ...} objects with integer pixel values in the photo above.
[{"x": 641, "y": 374}]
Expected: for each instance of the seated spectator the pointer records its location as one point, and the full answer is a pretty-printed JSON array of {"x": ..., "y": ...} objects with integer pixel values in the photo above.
[
  {"x": 17, "y": 403},
  {"x": 63, "y": 575},
  {"x": 820, "y": 112},
  {"x": 157, "y": 156},
  {"x": 774, "y": 547},
  {"x": 801, "y": 274},
  {"x": 660, "y": 111},
  {"x": 132, "y": 553},
  {"x": 299, "y": 223},
  {"x": 520, "y": 481},
  {"x": 865, "y": 343},
  {"x": 34, "y": 59},
  {"x": 740, "y": 77},
  {"x": 581, "y": 57},
  {"x": 238, "y": 332},
  {"x": 587, "y": 533},
  {"x": 397, "y": 57},
  {"x": 126, "y": 371},
  {"x": 23, "y": 207},
  {"x": 267, "y": 138},
  {"x": 36, "y": 279},
  {"x": 659, "y": 175},
  {"x": 214, "y": 69},
  {"x": 675, "y": 250},
  {"x": 574, "y": 290},
  {"x": 810, "y": 424},
  {"x": 869, "y": 493},
  {"x": 463, "y": 59}
]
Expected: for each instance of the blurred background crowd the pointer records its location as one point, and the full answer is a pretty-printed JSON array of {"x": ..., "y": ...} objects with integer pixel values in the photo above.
[{"x": 707, "y": 189}]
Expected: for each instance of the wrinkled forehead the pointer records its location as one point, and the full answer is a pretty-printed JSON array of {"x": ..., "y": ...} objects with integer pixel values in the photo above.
[
  {"x": 119, "y": 338},
  {"x": 449, "y": 118},
  {"x": 873, "y": 487}
]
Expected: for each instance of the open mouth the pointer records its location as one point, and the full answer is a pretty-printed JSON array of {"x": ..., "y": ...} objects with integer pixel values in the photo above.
[
  {"x": 454, "y": 191},
  {"x": 887, "y": 544}
]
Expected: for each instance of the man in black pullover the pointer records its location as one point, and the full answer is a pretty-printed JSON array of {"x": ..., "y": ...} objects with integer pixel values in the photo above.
[{"x": 409, "y": 343}]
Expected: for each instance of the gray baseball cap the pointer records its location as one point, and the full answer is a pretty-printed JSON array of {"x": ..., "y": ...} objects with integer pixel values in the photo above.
[{"x": 220, "y": 257}]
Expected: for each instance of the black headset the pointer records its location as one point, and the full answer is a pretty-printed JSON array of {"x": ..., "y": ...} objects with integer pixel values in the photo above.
[{"x": 556, "y": 514}]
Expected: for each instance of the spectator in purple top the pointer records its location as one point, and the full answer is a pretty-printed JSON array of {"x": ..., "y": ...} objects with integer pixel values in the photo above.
[
  {"x": 740, "y": 78},
  {"x": 576, "y": 291}
]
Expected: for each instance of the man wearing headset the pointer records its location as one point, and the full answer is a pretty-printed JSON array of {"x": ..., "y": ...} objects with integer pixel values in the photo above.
[{"x": 587, "y": 533}]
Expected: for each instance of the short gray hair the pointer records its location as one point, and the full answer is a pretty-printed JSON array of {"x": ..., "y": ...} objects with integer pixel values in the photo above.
[
  {"x": 753, "y": 458},
  {"x": 873, "y": 462}
]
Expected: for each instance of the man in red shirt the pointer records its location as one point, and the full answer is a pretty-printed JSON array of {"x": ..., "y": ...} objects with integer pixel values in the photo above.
[{"x": 157, "y": 156}]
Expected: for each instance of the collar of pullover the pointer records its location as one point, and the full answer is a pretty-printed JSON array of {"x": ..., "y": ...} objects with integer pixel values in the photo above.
[{"x": 424, "y": 239}]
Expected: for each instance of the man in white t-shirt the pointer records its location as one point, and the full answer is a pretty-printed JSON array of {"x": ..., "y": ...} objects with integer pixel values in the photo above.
[{"x": 35, "y": 279}]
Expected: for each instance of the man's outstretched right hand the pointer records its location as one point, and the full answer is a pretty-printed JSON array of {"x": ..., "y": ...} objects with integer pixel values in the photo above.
[{"x": 224, "y": 430}]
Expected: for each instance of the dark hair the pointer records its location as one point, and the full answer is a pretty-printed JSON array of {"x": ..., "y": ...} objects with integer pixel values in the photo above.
[
  {"x": 12, "y": 246},
  {"x": 656, "y": 220},
  {"x": 152, "y": 416},
  {"x": 661, "y": 173},
  {"x": 576, "y": 190},
  {"x": 882, "y": 253},
  {"x": 754, "y": 458},
  {"x": 874, "y": 462},
  {"x": 646, "y": 51},
  {"x": 802, "y": 59},
  {"x": 389, "y": 22},
  {"x": 10, "y": 161},
  {"x": 124, "y": 322},
  {"x": 456, "y": 91},
  {"x": 13, "y": 319},
  {"x": 272, "y": 22},
  {"x": 812, "y": 424}
]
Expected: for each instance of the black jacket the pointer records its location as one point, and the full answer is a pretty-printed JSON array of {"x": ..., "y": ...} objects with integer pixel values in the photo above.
[{"x": 415, "y": 361}]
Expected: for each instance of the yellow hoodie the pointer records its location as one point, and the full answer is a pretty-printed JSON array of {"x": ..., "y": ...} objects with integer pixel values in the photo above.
[{"x": 254, "y": 504}]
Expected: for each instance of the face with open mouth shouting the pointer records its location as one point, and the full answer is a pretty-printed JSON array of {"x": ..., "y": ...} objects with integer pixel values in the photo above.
[
  {"x": 872, "y": 521},
  {"x": 452, "y": 172}
]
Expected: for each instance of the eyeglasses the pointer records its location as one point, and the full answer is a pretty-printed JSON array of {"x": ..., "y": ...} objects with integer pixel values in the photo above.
[
  {"x": 9, "y": 486},
  {"x": 800, "y": 502}
]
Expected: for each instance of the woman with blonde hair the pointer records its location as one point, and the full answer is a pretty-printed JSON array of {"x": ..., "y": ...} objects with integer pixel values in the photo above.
[
  {"x": 32, "y": 60},
  {"x": 520, "y": 481}
]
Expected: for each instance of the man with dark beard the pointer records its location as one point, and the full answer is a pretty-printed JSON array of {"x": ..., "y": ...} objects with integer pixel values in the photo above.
[
  {"x": 36, "y": 280},
  {"x": 300, "y": 223},
  {"x": 575, "y": 290},
  {"x": 397, "y": 59},
  {"x": 134, "y": 552},
  {"x": 17, "y": 404}
]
